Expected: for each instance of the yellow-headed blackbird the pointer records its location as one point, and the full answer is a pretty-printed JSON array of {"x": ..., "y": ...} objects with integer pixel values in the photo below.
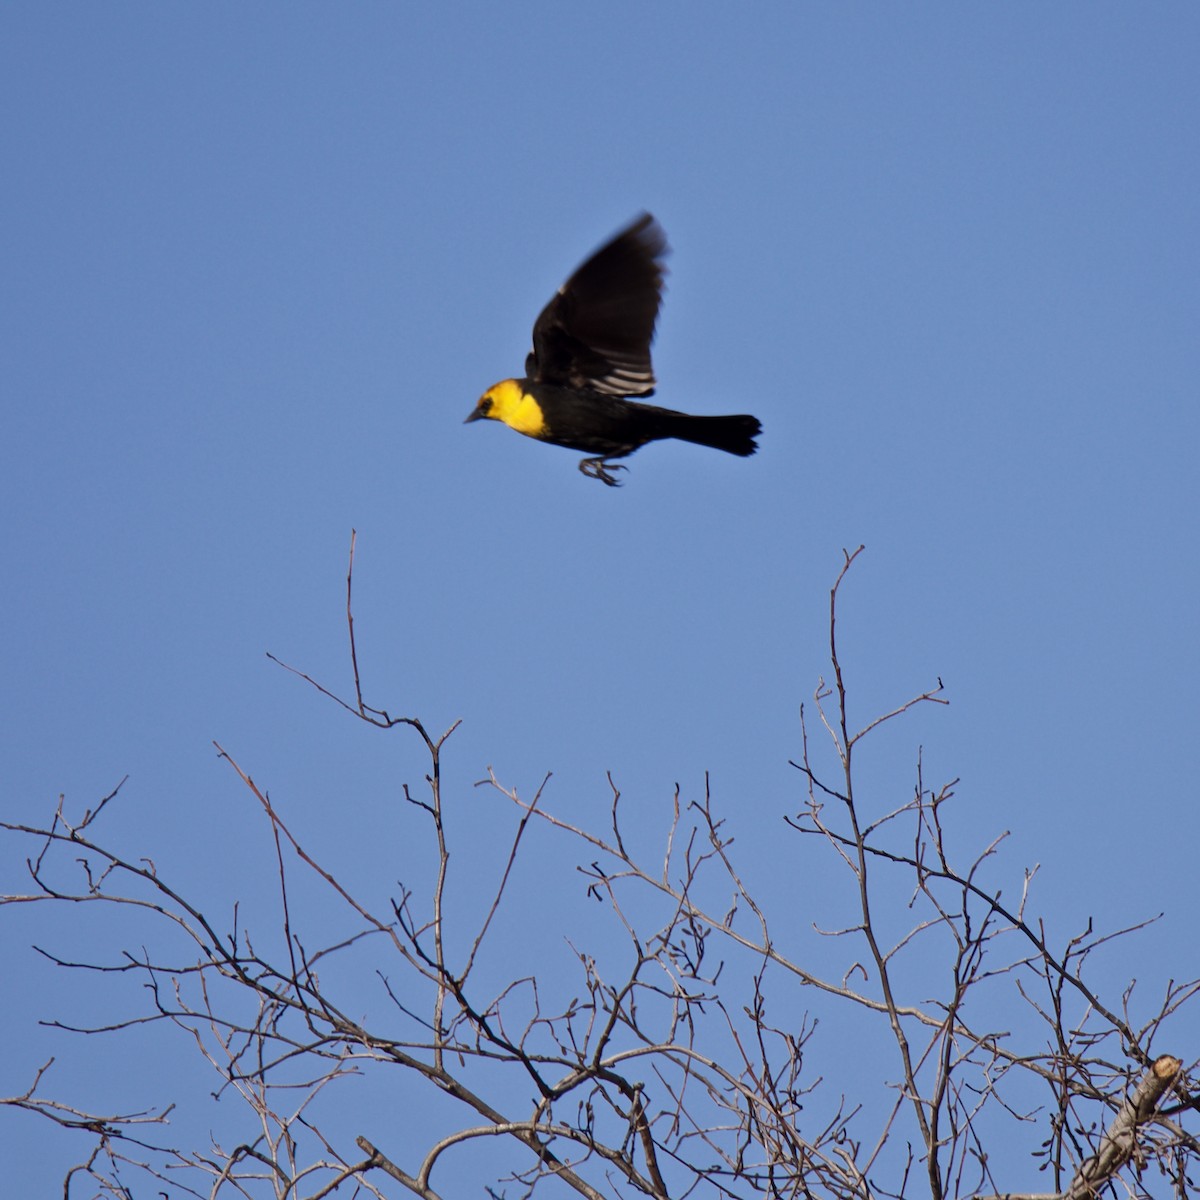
[{"x": 591, "y": 352}]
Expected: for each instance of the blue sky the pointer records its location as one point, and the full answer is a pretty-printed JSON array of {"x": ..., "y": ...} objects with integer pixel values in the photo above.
[{"x": 260, "y": 261}]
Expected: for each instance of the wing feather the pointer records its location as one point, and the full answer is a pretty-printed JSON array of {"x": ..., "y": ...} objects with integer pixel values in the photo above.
[{"x": 596, "y": 331}]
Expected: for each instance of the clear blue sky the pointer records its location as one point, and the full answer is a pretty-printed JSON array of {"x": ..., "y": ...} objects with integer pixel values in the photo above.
[{"x": 259, "y": 262}]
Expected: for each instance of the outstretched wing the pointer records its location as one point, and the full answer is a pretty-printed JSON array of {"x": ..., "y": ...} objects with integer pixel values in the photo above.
[{"x": 596, "y": 331}]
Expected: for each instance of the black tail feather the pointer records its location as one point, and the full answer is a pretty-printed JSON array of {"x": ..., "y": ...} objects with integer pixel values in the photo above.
[{"x": 734, "y": 435}]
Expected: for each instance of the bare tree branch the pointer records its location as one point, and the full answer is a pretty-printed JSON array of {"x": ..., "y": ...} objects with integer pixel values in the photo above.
[{"x": 676, "y": 1058}]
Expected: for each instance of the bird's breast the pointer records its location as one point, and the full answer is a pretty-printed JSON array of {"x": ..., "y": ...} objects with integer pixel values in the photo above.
[{"x": 525, "y": 416}]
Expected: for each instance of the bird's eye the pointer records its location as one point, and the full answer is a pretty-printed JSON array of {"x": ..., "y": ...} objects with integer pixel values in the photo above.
[{"x": 485, "y": 405}]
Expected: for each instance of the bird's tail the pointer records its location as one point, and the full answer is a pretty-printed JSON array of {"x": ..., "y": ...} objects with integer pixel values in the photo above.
[{"x": 734, "y": 435}]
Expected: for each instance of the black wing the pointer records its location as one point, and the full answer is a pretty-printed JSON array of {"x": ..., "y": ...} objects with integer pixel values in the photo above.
[{"x": 596, "y": 332}]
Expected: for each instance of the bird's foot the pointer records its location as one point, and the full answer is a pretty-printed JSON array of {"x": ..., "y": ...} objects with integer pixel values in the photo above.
[{"x": 598, "y": 468}]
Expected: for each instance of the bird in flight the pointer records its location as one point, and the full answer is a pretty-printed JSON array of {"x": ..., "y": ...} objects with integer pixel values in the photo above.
[{"x": 591, "y": 354}]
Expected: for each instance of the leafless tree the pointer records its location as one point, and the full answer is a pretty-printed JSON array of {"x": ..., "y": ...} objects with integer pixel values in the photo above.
[{"x": 679, "y": 1060}]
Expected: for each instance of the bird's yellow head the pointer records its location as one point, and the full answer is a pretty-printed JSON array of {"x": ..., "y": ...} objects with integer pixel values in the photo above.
[{"x": 508, "y": 401}]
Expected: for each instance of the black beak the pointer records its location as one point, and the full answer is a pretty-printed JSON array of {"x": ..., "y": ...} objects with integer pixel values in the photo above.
[{"x": 475, "y": 415}]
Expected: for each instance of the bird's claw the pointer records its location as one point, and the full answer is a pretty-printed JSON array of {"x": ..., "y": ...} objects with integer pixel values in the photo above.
[{"x": 597, "y": 468}]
